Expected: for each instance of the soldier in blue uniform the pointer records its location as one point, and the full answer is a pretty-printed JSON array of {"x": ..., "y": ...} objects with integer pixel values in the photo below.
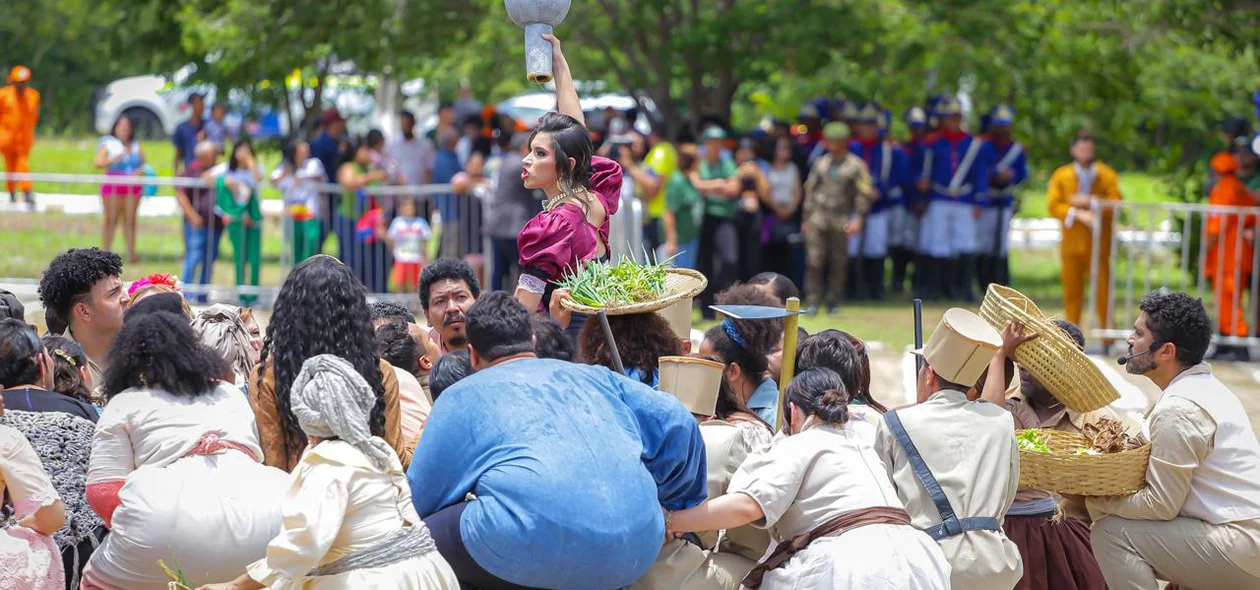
[
  {"x": 1010, "y": 170},
  {"x": 903, "y": 243},
  {"x": 958, "y": 175},
  {"x": 889, "y": 169}
]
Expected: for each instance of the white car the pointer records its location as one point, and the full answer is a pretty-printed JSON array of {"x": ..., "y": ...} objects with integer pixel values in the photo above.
[{"x": 529, "y": 107}]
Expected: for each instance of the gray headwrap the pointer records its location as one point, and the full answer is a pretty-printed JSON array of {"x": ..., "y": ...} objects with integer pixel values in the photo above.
[
  {"x": 332, "y": 400},
  {"x": 220, "y": 328}
]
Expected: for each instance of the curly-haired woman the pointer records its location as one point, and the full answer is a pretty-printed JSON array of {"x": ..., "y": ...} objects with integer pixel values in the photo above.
[
  {"x": 321, "y": 309},
  {"x": 175, "y": 463},
  {"x": 642, "y": 339}
]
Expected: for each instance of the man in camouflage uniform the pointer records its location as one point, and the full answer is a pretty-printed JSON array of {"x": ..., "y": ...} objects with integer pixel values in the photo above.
[{"x": 838, "y": 194}]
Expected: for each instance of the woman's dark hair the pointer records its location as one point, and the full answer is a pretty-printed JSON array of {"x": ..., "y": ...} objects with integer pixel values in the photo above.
[
  {"x": 321, "y": 309},
  {"x": 782, "y": 286},
  {"x": 55, "y": 324},
  {"x": 447, "y": 371},
  {"x": 569, "y": 139},
  {"x": 688, "y": 157},
  {"x": 68, "y": 357},
  {"x": 19, "y": 353},
  {"x": 242, "y": 142},
  {"x": 395, "y": 344},
  {"x": 375, "y": 138},
  {"x": 845, "y": 355},
  {"x": 728, "y": 402},
  {"x": 820, "y": 392},
  {"x": 550, "y": 340},
  {"x": 642, "y": 339},
  {"x": 159, "y": 350},
  {"x": 113, "y": 129},
  {"x": 288, "y": 153},
  {"x": 158, "y": 302}
]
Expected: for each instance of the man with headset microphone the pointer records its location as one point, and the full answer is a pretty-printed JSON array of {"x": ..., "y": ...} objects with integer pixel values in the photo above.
[{"x": 1197, "y": 522}]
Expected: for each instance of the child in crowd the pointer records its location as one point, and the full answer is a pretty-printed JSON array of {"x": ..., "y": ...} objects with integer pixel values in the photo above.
[{"x": 409, "y": 236}]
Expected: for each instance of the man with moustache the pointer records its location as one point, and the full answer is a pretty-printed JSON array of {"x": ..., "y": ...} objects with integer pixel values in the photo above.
[
  {"x": 1196, "y": 524},
  {"x": 448, "y": 288}
]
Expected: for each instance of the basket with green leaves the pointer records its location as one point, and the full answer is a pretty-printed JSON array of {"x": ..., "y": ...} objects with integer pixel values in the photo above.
[
  {"x": 628, "y": 287},
  {"x": 1104, "y": 461}
]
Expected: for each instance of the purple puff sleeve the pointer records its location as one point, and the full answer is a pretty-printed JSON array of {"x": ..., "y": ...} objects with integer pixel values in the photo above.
[
  {"x": 606, "y": 183},
  {"x": 546, "y": 245}
]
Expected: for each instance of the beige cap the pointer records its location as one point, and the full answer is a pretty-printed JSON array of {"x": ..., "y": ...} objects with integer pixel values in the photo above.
[
  {"x": 694, "y": 381},
  {"x": 961, "y": 347},
  {"x": 679, "y": 317}
]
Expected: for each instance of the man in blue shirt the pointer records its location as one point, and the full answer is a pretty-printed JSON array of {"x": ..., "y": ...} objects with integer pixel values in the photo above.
[
  {"x": 569, "y": 466},
  {"x": 188, "y": 133},
  {"x": 327, "y": 149}
]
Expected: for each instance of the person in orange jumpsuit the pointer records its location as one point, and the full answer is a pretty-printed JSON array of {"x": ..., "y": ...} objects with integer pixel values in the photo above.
[
  {"x": 1072, "y": 187},
  {"x": 19, "y": 112},
  {"x": 1231, "y": 239}
]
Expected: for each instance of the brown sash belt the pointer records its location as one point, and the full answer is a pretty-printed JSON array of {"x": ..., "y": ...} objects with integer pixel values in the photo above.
[{"x": 832, "y": 528}]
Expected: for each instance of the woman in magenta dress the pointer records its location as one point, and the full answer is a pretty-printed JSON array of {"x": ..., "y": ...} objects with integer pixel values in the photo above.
[{"x": 582, "y": 194}]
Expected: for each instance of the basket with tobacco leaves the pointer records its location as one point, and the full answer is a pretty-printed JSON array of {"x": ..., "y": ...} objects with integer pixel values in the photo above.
[
  {"x": 1102, "y": 461},
  {"x": 628, "y": 287}
]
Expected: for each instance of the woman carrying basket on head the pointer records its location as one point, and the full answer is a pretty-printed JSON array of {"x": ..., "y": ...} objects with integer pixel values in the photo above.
[{"x": 582, "y": 194}]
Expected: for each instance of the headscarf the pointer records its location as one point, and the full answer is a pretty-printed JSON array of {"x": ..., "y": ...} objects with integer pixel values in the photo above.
[
  {"x": 332, "y": 400},
  {"x": 221, "y": 329}
]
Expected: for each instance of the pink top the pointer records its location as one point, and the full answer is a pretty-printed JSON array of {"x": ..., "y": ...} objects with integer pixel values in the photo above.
[{"x": 557, "y": 240}]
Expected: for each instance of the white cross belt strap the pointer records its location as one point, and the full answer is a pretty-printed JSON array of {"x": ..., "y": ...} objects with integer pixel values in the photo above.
[
  {"x": 1009, "y": 159},
  {"x": 964, "y": 167}
]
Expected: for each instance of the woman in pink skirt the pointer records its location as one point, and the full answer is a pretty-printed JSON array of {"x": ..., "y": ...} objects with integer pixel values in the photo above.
[{"x": 119, "y": 154}]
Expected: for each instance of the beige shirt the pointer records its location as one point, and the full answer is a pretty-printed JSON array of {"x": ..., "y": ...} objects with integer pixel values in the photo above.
[
  {"x": 1181, "y": 437},
  {"x": 970, "y": 449},
  {"x": 94, "y": 369}
]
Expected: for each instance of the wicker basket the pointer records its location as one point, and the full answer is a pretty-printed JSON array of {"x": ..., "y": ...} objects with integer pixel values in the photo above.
[
  {"x": 1063, "y": 471},
  {"x": 680, "y": 284},
  {"x": 1053, "y": 358}
]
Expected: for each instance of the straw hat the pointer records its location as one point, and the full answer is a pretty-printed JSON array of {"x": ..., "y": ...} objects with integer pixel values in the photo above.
[
  {"x": 694, "y": 381},
  {"x": 961, "y": 347},
  {"x": 679, "y": 317},
  {"x": 680, "y": 284}
]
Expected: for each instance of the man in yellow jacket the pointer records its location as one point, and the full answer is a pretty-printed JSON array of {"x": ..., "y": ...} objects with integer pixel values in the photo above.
[
  {"x": 1072, "y": 188},
  {"x": 19, "y": 112}
]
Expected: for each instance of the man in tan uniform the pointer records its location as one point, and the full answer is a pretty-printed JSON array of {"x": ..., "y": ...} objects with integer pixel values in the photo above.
[
  {"x": 838, "y": 194},
  {"x": 954, "y": 461},
  {"x": 1197, "y": 522}
]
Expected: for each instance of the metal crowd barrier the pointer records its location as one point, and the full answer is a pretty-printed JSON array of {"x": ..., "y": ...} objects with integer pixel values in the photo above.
[
  {"x": 1167, "y": 245},
  {"x": 70, "y": 212}
]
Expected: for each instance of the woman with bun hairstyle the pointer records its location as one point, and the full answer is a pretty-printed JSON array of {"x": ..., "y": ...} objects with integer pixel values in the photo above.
[{"x": 826, "y": 499}]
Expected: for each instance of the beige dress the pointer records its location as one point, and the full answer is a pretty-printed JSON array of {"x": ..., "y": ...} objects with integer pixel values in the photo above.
[
  {"x": 970, "y": 449},
  {"x": 721, "y": 564},
  {"x": 339, "y": 502},
  {"x": 810, "y": 478}
]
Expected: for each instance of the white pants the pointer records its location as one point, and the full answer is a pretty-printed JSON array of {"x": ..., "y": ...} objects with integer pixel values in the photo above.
[
  {"x": 948, "y": 229},
  {"x": 987, "y": 227},
  {"x": 903, "y": 227},
  {"x": 874, "y": 237},
  {"x": 1196, "y": 555}
]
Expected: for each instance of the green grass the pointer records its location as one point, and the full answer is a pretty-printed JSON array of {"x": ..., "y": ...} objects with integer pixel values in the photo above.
[{"x": 74, "y": 156}]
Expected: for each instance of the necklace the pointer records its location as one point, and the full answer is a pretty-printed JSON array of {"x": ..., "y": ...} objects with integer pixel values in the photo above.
[{"x": 579, "y": 193}]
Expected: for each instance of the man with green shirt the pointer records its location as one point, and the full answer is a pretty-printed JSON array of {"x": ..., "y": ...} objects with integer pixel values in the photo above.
[
  {"x": 719, "y": 239},
  {"x": 682, "y": 212}
]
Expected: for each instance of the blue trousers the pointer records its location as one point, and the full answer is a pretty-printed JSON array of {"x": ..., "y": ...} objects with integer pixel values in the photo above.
[{"x": 201, "y": 249}]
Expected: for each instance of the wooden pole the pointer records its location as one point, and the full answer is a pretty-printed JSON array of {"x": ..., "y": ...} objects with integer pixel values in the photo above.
[
  {"x": 918, "y": 333},
  {"x": 790, "y": 324},
  {"x": 612, "y": 344}
]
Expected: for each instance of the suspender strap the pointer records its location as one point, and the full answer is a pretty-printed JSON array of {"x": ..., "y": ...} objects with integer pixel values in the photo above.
[
  {"x": 950, "y": 525},
  {"x": 964, "y": 167},
  {"x": 1009, "y": 159},
  {"x": 926, "y": 173}
]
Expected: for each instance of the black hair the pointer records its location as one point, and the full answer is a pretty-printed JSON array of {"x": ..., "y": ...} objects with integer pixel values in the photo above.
[
  {"x": 389, "y": 309},
  {"x": 196, "y": 96},
  {"x": 746, "y": 342},
  {"x": 69, "y": 278},
  {"x": 159, "y": 350},
  {"x": 499, "y": 326},
  {"x": 374, "y": 138},
  {"x": 395, "y": 344},
  {"x": 1072, "y": 332},
  {"x": 820, "y": 392},
  {"x": 473, "y": 120},
  {"x": 642, "y": 339},
  {"x": 447, "y": 371},
  {"x": 406, "y": 114},
  {"x": 846, "y": 356},
  {"x": 447, "y": 268},
  {"x": 782, "y": 286},
  {"x": 288, "y": 152},
  {"x": 551, "y": 341},
  {"x": 483, "y": 146},
  {"x": 242, "y": 142},
  {"x": 168, "y": 302},
  {"x": 53, "y": 322},
  {"x": 569, "y": 139},
  {"x": 11, "y": 306},
  {"x": 729, "y": 404},
  {"x": 67, "y": 358},
  {"x": 1080, "y": 137},
  {"x": 113, "y": 129},
  {"x": 1180, "y": 320},
  {"x": 19, "y": 353},
  {"x": 347, "y": 156},
  {"x": 321, "y": 309}
]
